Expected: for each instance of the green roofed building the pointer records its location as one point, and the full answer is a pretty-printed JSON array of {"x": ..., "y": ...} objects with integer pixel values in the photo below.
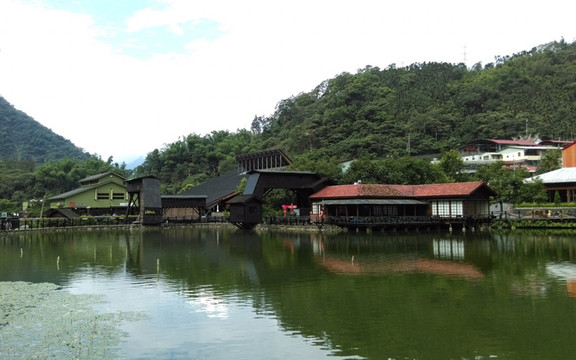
[{"x": 101, "y": 194}]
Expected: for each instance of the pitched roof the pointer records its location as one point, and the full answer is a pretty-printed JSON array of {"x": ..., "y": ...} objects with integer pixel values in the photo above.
[
  {"x": 362, "y": 191},
  {"x": 397, "y": 191},
  {"x": 555, "y": 142},
  {"x": 60, "y": 212},
  {"x": 76, "y": 191},
  {"x": 513, "y": 142},
  {"x": 447, "y": 189},
  {"x": 563, "y": 175},
  {"x": 219, "y": 188},
  {"x": 101, "y": 175}
]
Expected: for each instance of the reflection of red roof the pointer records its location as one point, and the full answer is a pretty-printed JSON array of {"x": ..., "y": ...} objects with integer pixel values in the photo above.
[
  {"x": 571, "y": 283},
  {"x": 437, "y": 267},
  {"x": 395, "y": 191}
]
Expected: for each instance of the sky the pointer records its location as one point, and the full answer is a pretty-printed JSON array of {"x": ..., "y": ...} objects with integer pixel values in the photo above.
[{"x": 121, "y": 78}]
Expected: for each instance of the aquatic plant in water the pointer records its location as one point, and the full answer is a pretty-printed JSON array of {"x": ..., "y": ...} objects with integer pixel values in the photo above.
[{"x": 39, "y": 321}]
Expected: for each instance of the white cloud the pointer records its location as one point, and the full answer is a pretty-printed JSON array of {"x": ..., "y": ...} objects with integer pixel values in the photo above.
[{"x": 60, "y": 68}]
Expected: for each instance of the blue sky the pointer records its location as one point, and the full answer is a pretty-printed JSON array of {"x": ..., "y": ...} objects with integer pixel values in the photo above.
[
  {"x": 92, "y": 69},
  {"x": 143, "y": 42}
]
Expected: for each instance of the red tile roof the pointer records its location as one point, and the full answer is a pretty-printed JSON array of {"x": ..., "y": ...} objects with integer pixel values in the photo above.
[
  {"x": 514, "y": 142},
  {"x": 359, "y": 191},
  {"x": 450, "y": 189},
  {"x": 396, "y": 191}
]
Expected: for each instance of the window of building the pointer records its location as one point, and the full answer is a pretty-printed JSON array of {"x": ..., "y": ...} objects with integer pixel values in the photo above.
[
  {"x": 442, "y": 208},
  {"x": 385, "y": 210},
  {"x": 118, "y": 196},
  {"x": 447, "y": 208},
  {"x": 316, "y": 207},
  {"x": 103, "y": 196},
  {"x": 456, "y": 208},
  {"x": 341, "y": 210}
]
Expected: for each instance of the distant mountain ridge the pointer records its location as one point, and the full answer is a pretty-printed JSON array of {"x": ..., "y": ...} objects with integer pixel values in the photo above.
[{"x": 23, "y": 138}]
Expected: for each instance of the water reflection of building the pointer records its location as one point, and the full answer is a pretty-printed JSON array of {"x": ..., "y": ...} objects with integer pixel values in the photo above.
[
  {"x": 448, "y": 249},
  {"x": 565, "y": 271}
]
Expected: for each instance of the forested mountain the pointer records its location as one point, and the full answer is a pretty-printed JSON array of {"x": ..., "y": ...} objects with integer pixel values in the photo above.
[
  {"x": 24, "y": 139},
  {"x": 36, "y": 163},
  {"x": 430, "y": 107},
  {"x": 420, "y": 109}
]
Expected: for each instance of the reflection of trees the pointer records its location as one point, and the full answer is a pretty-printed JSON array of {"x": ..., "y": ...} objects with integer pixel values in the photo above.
[
  {"x": 33, "y": 256},
  {"x": 426, "y": 312},
  {"x": 414, "y": 290}
]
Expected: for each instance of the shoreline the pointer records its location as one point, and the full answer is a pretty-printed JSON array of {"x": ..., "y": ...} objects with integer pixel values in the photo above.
[{"x": 508, "y": 224}]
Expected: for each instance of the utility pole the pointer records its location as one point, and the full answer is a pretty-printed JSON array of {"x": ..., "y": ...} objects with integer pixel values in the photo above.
[
  {"x": 42, "y": 208},
  {"x": 408, "y": 145}
]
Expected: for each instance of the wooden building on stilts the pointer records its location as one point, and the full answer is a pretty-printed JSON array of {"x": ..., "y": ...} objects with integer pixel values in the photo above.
[{"x": 144, "y": 200}]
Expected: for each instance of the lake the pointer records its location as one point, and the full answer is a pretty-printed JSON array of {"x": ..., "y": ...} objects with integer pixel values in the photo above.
[{"x": 220, "y": 293}]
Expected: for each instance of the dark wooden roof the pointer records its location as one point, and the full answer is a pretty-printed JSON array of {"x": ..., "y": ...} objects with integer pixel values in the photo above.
[
  {"x": 218, "y": 189},
  {"x": 60, "y": 212},
  {"x": 138, "y": 179},
  {"x": 224, "y": 188},
  {"x": 260, "y": 181},
  {"x": 183, "y": 201},
  {"x": 243, "y": 199}
]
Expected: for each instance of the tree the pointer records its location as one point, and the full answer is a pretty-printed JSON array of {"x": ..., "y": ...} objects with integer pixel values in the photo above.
[
  {"x": 551, "y": 160},
  {"x": 242, "y": 186},
  {"x": 320, "y": 164},
  {"x": 452, "y": 165},
  {"x": 259, "y": 124},
  {"x": 504, "y": 181},
  {"x": 557, "y": 199},
  {"x": 403, "y": 171},
  {"x": 55, "y": 177},
  {"x": 9, "y": 206},
  {"x": 533, "y": 191}
]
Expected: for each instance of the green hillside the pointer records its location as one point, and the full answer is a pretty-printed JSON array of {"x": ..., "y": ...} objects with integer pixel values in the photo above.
[
  {"x": 421, "y": 109},
  {"x": 430, "y": 107},
  {"x": 24, "y": 139}
]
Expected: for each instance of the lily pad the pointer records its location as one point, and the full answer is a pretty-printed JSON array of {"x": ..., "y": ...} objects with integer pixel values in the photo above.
[{"x": 41, "y": 321}]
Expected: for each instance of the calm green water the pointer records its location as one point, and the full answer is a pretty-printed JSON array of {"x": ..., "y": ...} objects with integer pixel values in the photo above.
[{"x": 221, "y": 294}]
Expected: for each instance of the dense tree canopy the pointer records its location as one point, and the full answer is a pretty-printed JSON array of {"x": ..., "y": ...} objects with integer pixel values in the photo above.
[
  {"x": 431, "y": 107},
  {"x": 393, "y": 120}
]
